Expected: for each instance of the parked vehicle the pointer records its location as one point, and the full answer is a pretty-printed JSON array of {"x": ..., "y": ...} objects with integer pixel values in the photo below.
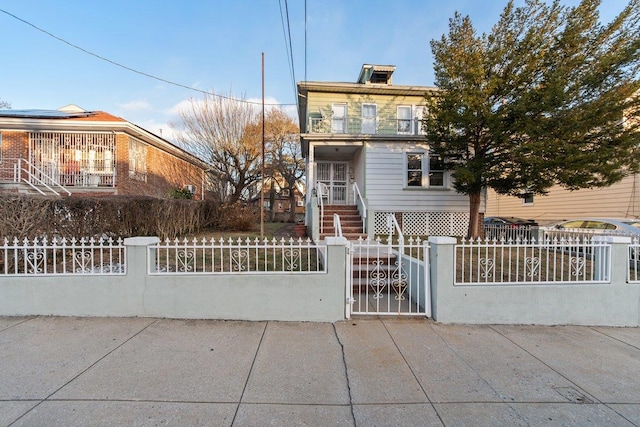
[
  {"x": 616, "y": 226},
  {"x": 511, "y": 221},
  {"x": 508, "y": 228}
]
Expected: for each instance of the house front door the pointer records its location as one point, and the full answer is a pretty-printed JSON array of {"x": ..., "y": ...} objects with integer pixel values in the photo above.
[{"x": 334, "y": 177}]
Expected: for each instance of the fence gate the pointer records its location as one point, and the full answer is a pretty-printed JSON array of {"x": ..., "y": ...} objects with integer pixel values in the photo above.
[{"x": 389, "y": 278}]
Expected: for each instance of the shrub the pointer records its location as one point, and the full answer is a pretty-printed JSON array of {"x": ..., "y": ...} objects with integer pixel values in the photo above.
[{"x": 115, "y": 216}]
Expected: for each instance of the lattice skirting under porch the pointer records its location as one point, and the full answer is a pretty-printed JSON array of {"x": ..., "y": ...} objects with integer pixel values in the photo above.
[{"x": 425, "y": 223}]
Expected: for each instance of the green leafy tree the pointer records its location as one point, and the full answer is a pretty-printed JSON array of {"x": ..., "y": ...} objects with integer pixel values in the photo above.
[{"x": 547, "y": 97}]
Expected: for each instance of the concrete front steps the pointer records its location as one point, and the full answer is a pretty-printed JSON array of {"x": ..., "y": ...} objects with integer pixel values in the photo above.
[{"x": 350, "y": 219}]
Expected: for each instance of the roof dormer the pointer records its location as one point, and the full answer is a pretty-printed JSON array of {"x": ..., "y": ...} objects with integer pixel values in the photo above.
[{"x": 376, "y": 74}]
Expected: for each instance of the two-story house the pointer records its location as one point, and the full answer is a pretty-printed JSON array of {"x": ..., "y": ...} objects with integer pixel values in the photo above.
[
  {"x": 71, "y": 150},
  {"x": 364, "y": 146}
]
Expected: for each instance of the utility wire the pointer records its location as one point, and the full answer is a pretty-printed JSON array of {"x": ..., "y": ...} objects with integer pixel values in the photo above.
[
  {"x": 288, "y": 46},
  {"x": 142, "y": 73}
]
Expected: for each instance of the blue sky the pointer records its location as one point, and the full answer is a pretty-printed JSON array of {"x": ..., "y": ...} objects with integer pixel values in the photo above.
[{"x": 214, "y": 46}]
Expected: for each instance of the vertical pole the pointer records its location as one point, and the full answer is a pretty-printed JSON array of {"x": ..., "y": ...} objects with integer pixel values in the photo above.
[{"x": 262, "y": 171}]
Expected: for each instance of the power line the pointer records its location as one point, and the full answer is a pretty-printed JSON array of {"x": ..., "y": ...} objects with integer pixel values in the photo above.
[
  {"x": 288, "y": 46},
  {"x": 142, "y": 73}
]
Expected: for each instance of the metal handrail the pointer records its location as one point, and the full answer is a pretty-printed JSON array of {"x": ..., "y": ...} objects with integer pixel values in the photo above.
[
  {"x": 337, "y": 226},
  {"x": 392, "y": 225},
  {"x": 27, "y": 169},
  {"x": 360, "y": 202},
  {"x": 322, "y": 190}
]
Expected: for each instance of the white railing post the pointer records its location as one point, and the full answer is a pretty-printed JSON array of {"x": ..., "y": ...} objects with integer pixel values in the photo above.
[
  {"x": 337, "y": 226},
  {"x": 362, "y": 207}
]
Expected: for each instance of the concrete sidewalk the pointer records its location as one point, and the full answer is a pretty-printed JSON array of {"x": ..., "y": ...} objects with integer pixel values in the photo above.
[{"x": 136, "y": 371}]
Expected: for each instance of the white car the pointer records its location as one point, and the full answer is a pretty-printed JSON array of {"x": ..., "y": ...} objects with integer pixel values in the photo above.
[{"x": 615, "y": 226}]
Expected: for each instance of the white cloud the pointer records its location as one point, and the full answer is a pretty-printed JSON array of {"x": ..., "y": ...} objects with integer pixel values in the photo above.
[{"x": 134, "y": 106}]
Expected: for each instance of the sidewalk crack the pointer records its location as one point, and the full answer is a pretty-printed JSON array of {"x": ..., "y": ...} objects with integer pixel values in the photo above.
[{"x": 346, "y": 372}]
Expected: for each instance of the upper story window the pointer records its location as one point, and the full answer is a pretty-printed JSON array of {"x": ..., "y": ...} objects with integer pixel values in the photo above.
[
  {"x": 424, "y": 170},
  {"x": 404, "y": 119},
  {"x": 339, "y": 118},
  {"x": 137, "y": 160},
  {"x": 369, "y": 118}
]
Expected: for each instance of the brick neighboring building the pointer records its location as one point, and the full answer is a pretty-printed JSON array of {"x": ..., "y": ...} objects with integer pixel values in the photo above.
[{"x": 91, "y": 152}]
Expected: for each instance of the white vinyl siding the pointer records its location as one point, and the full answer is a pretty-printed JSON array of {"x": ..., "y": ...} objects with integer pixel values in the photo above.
[{"x": 386, "y": 184}]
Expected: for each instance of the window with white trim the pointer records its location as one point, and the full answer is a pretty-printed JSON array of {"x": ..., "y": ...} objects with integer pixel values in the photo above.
[
  {"x": 527, "y": 198},
  {"x": 369, "y": 118},
  {"x": 404, "y": 119},
  {"x": 424, "y": 170},
  {"x": 339, "y": 118}
]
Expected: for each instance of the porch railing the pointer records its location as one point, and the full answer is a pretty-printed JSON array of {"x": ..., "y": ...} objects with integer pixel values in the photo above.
[
  {"x": 237, "y": 256},
  {"x": 368, "y": 126}
]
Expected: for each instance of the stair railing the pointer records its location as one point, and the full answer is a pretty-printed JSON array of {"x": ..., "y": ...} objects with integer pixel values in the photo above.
[
  {"x": 323, "y": 191},
  {"x": 394, "y": 228},
  {"x": 32, "y": 177},
  {"x": 362, "y": 207},
  {"x": 337, "y": 226}
]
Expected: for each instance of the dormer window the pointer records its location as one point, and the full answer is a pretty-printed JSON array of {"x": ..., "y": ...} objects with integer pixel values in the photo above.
[
  {"x": 378, "y": 77},
  {"x": 376, "y": 74}
]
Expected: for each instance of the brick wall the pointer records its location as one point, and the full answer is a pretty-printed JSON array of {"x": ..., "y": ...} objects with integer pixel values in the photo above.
[
  {"x": 164, "y": 172},
  {"x": 14, "y": 146}
]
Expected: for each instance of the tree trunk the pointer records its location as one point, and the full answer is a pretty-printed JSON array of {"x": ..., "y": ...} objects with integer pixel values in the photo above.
[
  {"x": 474, "y": 213},
  {"x": 292, "y": 204}
]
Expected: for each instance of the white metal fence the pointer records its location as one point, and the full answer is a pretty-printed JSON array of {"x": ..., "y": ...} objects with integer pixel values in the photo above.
[
  {"x": 236, "y": 256},
  {"x": 390, "y": 278},
  {"x": 508, "y": 232},
  {"x": 61, "y": 256},
  {"x": 549, "y": 261}
]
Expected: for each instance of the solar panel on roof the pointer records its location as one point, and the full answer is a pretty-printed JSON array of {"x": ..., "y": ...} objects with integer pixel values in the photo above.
[{"x": 43, "y": 114}]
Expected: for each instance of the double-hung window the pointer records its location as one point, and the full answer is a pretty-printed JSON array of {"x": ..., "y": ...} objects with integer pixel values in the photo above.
[
  {"x": 424, "y": 170},
  {"x": 369, "y": 118},
  {"x": 404, "y": 119},
  {"x": 339, "y": 118}
]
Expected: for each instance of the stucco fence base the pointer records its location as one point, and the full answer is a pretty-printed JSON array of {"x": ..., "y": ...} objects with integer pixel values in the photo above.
[
  {"x": 610, "y": 304},
  {"x": 285, "y": 297}
]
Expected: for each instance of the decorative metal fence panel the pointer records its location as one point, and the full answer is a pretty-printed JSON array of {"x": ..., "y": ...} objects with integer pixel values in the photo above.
[
  {"x": 244, "y": 256},
  {"x": 61, "y": 256},
  {"x": 550, "y": 261},
  {"x": 390, "y": 278},
  {"x": 507, "y": 232}
]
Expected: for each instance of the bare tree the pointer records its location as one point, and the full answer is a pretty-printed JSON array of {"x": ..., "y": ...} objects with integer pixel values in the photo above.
[
  {"x": 284, "y": 153},
  {"x": 223, "y": 132},
  {"x": 4, "y": 105}
]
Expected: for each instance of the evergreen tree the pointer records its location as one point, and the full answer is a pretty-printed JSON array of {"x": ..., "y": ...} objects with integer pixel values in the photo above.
[{"x": 547, "y": 97}]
